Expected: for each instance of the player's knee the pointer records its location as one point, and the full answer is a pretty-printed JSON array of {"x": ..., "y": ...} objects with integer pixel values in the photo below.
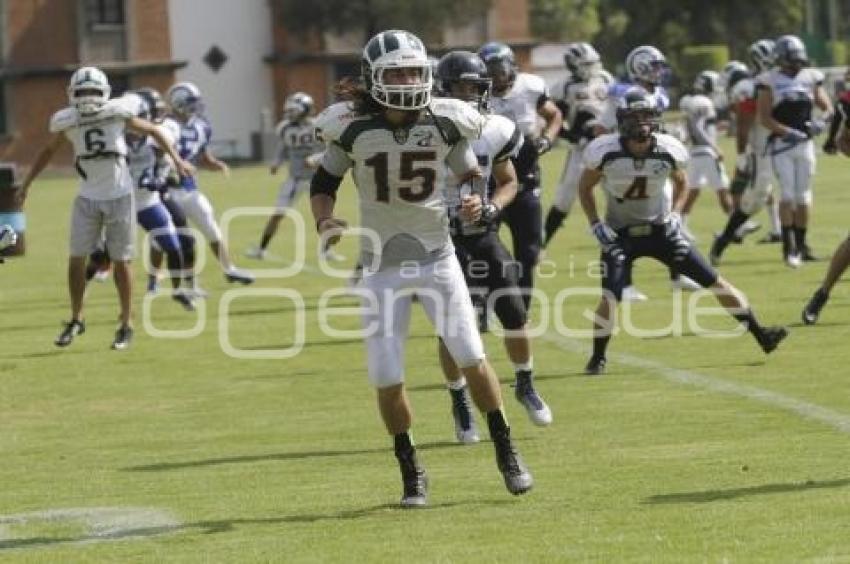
[
  {"x": 511, "y": 312},
  {"x": 383, "y": 379}
]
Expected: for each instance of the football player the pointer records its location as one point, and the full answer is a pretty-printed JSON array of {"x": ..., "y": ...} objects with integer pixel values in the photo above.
[
  {"x": 705, "y": 167},
  {"x": 524, "y": 99},
  {"x": 581, "y": 100},
  {"x": 400, "y": 144},
  {"x": 635, "y": 167},
  {"x": 840, "y": 258},
  {"x": 95, "y": 126},
  {"x": 193, "y": 133},
  {"x": 487, "y": 265},
  {"x": 149, "y": 178},
  {"x": 842, "y": 112},
  {"x": 298, "y": 145},
  {"x": 646, "y": 67},
  {"x": 787, "y": 96}
]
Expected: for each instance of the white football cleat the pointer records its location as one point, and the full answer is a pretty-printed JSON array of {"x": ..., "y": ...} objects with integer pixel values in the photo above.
[
  {"x": 793, "y": 261},
  {"x": 102, "y": 275},
  {"x": 684, "y": 283},
  {"x": 256, "y": 253},
  {"x": 632, "y": 294}
]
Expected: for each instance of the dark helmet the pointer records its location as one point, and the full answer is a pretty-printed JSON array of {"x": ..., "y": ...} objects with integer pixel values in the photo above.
[
  {"x": 500, "y": 62},
  {"x": 464, "y": 67},
  {"x": 154, "y": 100},
  {"x": 637, "y": 114}
]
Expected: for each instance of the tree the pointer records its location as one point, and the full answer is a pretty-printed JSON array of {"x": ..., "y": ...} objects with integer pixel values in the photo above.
[
  {"x": 427, "y": 19},
  {"x": 564, "y": 20}
]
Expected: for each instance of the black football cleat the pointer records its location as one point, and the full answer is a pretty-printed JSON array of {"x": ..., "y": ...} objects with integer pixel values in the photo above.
[
  {"x": 812, "y": 309},
  {"x": 595, "y": 366},
  {"x": 807, "y": 255},
  {"x": 414, "y": 481},
  {"x": 770, "y": 338},
  {"x": 517, "y": 478},
  {"x": 71, "y": 330},
  {"x": 123, "y": 336}
]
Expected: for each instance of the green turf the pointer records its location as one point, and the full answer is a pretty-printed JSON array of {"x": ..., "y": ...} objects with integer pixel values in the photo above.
[{"x": 287, "y": 461}]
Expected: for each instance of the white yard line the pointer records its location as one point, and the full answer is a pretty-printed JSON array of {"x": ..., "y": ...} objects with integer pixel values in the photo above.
[{"x": 804, "y": 409}]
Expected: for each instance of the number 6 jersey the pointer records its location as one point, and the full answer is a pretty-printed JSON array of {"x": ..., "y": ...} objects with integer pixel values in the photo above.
[
  {"x": 99, "y": 148},
  {"x": 400, "y": 173},
  {"x": 635, "y": 188}
]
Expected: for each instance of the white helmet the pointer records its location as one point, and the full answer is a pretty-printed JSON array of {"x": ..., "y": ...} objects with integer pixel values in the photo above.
[
  {"x": 297, "y": 106},
  {"x": 184, "y": 98},
  {"x": 790, "y": 50},
  {"x": 581, "y": 59},
  {"x": 396, "y": 49},
  {"x": 732, "y": 72},
  {"x": 707, "y": 82},
  {"x": 762, "y": 54},
  {"x": 647, "y": 64},
  {"x": 88, "y": 90}
]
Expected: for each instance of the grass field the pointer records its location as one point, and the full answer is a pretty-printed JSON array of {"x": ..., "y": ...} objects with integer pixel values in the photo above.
[{"x": 690, "y": 449}]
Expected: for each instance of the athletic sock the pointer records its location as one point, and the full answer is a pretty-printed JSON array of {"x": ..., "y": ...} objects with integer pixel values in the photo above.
[
  {"x": 748, "y": 319},
  {"x": 788, "y": 244},
  {"x": 264, "y": 242},
  {"x": 403, "y": 444},
  {"x": 600, "y": 344},
  {"x": 800, "y": 236},
  {"x": 554, "y": 220},
  {"x": 736, "y": 220},
  {"x": 496, "y": 423}
]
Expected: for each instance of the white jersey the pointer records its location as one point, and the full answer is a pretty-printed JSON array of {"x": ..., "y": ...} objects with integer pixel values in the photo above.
[
  {"x": 400, "y": 173},
  {"x": 500, "y": 140},
  {"x": 701, "y": 122},
  {"x": 296, "y": 142},
  {"x": 148, "y": 169},
  {"x": 743, "y": 97},
  {"x": 99, "y": 148},
  {"x": 793, "y": 96},
  {"x": 519, "y": 104},
  {"x": 635, "y": 188},
  {"x": 585, "y": 102}
]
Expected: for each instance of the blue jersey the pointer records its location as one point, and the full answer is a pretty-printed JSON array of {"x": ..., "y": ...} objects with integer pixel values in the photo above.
[{"x": 192, "y": 139}]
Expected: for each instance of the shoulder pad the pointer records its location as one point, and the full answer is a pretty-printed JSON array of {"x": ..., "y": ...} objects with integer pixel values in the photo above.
[
  {"x": 124, "y": 107},
  {"x": 532, "y": 83},
  {"x": 673, "y": 146},
  {"x": 599, "y": 147},
  {"x": 817, "y": 75},
  {"x": 63, "y": 119},
  {"x": 334, "y": 120},
  {"x": 464, "y": 118},
  {"x": 505, "y": 136},
  {"x": 685, "y": 102}
]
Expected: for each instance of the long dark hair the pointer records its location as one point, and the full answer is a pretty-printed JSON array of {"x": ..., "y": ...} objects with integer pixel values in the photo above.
[{"x": 354, "y": 91}]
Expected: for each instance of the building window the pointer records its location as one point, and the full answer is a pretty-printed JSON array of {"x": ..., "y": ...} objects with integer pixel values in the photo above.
[{"x": 105, "y": 13}]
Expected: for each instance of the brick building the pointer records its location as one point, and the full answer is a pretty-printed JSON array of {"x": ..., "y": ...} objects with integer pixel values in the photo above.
[
  {"x": 239, "y": 52},
  {"x": 43, "y": 41}
]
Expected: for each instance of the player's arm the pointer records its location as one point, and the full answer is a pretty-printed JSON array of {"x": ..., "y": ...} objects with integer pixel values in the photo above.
[
  {"x": 822, "y": 100},
  {"x": 745, "y": 120},
  {"x": 680, "y": 190},
  {"x": 164, "y": 143},
  {"x": 590, "y": 177},
  {"x": 553, "y": 119},
  {"x": 463, "y": 163},
  {"x": 41, "y": 161},
  {"x": 212, "y": 162},
  {"x": 506, "y": 183},
  {"x": 323, "y": 188},
  {"x": 281, "y": 155}
]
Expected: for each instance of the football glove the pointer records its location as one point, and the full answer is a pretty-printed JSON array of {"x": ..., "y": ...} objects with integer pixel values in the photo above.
[
  {"x": 815, "y": 127},
  {"x": 603, "y": 233},
  {"x": 489, "y": 213},
  {"x": 542, "y": 144},
  {"x": 8, "y": 237}
]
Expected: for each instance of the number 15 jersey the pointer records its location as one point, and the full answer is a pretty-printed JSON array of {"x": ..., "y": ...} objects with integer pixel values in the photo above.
[
  {"x": 635, "y": 188},
  {"x": 400, "y": 173}
]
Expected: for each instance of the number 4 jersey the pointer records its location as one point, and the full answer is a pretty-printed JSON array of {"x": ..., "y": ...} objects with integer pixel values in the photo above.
[
  {"x": 635, "y": 188},
  {"x": 99, "y": 148},
  {"x": 400, "y": 173}
]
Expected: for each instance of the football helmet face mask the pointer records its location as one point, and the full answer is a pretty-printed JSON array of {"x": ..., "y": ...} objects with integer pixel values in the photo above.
[
  {"x": 637, "y": 115},
  {"x": 396, "y": 70},
  {"x": 154, "y": 101},
  {"x": 297, "y": 106},
  {"x": 582, "y": 60},
  {"x": 707, "y": 82},
  {"x": 790, "y": 53},
  {"x": 763, "y": 54},
  {"x": 184, "y": 99},
  {"x": 501, "y": 65},
  {"x": 647, "y": 64},
  {"x": 463, "y": 75},
  {"x": 88, "y": 90}
]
